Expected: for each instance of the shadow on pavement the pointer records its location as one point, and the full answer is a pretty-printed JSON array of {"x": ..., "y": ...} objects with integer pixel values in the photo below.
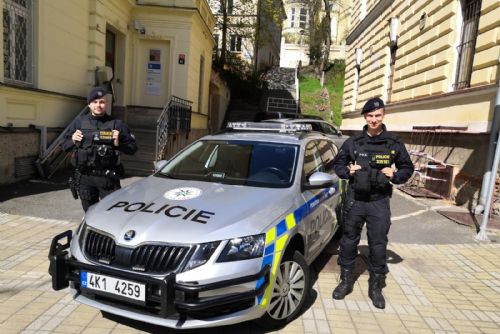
[{"x": 35, "y": 186}]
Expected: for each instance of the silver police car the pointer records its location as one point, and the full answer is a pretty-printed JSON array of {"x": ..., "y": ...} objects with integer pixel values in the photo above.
[{"x": 222, "y": 233}]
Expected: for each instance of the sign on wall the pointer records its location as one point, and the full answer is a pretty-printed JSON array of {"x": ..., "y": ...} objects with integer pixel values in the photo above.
[{"x": 153, "y": 77}]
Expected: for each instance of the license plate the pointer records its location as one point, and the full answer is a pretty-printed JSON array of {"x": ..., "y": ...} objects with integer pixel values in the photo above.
[{"x": 115, "y": 286}]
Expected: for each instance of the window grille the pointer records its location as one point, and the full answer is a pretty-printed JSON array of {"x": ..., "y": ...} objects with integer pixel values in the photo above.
[
  {"x": 292, "y": 17},
  {"x": 17, "y": 41},
  {"x": 471, "y": 10}
]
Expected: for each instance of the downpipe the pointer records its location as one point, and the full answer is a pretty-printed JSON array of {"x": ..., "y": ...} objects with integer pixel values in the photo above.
[
  {"x": 495, "y": 128},
  {"x": 482, "y": 236}
]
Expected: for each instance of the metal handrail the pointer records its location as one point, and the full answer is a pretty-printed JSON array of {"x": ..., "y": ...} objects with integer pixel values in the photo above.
[{"x": 176, "y": 115}]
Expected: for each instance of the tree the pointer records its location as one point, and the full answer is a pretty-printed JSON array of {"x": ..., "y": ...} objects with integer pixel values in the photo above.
[
  {"x": 244, "y": 26},
  {"x": 320, "y": 34}
]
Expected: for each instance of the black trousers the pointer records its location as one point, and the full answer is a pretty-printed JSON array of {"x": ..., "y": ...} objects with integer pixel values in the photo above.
[
  {"x": 92, "y": 188},
  {"x": 377, "y": 215}
]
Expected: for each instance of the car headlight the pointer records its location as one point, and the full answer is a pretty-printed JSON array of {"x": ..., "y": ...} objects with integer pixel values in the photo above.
[
  {"x": 244, "y": 248},
  {"x": 201, "y": 255}
]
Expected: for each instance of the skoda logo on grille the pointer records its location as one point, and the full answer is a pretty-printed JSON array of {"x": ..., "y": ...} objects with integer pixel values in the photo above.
[{"x": 129, "y": 235}]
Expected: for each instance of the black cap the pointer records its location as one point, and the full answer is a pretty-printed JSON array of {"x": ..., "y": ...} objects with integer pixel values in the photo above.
[
  {"x": 372, "y": 104},
  {"x": 96, "y": 93}
]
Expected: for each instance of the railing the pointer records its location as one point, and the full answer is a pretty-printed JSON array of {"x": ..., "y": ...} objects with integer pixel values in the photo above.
[
  {"x": 54, "y": 150},
  {"x": 175, "y": 117},
  {"x": 281, "y": 104}
]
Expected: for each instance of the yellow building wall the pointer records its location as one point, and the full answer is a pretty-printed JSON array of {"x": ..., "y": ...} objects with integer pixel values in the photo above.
[
  {"x": 69, "y": 42},
  {"x": 202, "y": 44},
  {"x": 425, "y": 63}
]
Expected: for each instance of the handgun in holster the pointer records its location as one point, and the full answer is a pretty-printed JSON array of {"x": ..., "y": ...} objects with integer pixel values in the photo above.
[{"x": 74, "y": 183}]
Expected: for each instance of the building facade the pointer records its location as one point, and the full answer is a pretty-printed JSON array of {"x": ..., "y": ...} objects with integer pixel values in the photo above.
[
  {"x": 295, "y": 38},
  {"x": 436, "y": 64},
  {"x": 252, "y": 30},
  {"x": 55, "y": 51}
]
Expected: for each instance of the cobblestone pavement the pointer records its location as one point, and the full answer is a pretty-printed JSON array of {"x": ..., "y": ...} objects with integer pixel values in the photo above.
[{"x": 451, "y": 288}]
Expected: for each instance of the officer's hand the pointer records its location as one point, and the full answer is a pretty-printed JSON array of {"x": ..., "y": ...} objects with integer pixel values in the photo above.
[
  {"x": 354, "y": 168},
  {"x": 116, "y": 136},
  {"x": 387, "y": 171},
  {"x": 77, "y": 136}
]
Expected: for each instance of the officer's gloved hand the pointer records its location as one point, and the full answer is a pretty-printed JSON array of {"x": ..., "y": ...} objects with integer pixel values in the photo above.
[{"x": 381, "y": 180}]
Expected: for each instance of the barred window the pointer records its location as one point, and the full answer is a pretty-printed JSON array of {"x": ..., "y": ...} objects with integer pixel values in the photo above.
[
  {"x": 471, "y": 11},
  {"x": 17, "y": 41}
]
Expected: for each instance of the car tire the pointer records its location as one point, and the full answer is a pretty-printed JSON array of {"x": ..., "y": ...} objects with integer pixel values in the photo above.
[{"x": 289, "y": 293}]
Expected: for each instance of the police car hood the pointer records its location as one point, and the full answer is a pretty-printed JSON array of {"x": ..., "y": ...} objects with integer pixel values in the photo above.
[{"x": 179, "y": 211}]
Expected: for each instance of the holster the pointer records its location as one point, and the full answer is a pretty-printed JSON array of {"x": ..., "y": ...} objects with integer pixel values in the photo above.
[{"x": 72, "y": 187}]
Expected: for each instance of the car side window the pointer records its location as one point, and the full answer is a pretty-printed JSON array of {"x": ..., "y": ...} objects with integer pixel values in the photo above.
[
  {"x": 312, "y": 160},
  {"x": 328, "y": 129},
  {"x": 327, "y": 152}
]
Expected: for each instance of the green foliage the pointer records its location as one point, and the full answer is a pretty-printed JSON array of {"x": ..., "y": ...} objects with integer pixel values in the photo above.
[{"x": 313, "y": 99}]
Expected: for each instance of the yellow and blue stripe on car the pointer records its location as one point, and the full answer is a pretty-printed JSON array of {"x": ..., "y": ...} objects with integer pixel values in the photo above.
[{"x": 277, "y": 236}]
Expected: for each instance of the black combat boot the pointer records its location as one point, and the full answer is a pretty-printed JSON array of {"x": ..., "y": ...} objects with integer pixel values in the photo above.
[
  {"x": 375, "y": 285},
  {"x": 346, "y": 284}
]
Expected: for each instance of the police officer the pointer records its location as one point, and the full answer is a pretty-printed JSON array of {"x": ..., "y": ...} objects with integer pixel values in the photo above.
[
  {"x": 366, "y": 160},
  {"x": 96, "y": 140}
]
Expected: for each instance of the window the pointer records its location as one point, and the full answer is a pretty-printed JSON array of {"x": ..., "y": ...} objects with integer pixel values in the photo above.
[
  {"x": 235, "y": 43},
  {"x": 471, "y": 10},
  {"x": 17, "y": 41},
  {"x": 230, "y": 6},
  {"x": 216, "y": 39},
  {"x": 312, "y": 160},
  {"x": 327, "y": 155},
  {"x": 303, "y": 18},
  {"x": 292, "y": 17},
  {"x": 328, "y": 129}
]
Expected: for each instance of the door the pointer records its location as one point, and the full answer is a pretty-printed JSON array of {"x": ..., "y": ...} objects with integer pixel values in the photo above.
[
  {"x": 321, "y": 219},
  {"x": 152, "y": 84}
]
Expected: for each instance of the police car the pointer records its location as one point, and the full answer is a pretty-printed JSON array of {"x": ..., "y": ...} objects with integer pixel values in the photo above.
[{"x": 222, "y": 233}]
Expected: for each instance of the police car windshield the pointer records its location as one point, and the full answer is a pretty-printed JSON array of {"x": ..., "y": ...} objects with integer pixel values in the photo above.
[{"x": 259, "y": 164}]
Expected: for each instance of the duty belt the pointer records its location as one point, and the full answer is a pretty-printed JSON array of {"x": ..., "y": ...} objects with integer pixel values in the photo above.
[{"x": 99, "y": 172}]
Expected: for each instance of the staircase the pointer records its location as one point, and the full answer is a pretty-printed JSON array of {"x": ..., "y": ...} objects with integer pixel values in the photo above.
[
  {"x": 241, "y": 110},
  {"x": 142, "y": 123}
]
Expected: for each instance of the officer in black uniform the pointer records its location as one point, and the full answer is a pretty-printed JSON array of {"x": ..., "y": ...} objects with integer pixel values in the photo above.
[
  {"x": 96, "y": 140},
  {"x": 366, "y": 160}
]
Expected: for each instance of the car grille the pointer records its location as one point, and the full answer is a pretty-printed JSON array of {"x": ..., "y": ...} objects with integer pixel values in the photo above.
[
  {"x": 158, "y": 258},
  {"x": 99, "y": 247},
  {"x": 146, "y": 258}
]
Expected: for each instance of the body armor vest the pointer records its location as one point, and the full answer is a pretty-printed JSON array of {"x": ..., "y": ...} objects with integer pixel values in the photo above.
[
  {"x": 96, "y": 150},
  {"x": 372, "y": 155}
]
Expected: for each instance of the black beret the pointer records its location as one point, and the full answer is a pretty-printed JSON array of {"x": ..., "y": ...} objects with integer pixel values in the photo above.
[
  {"x": 372, "y": 104},
  {"x": 96, "y": 93}
]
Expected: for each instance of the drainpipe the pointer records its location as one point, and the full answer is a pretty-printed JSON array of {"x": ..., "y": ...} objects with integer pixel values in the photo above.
[
  {"x": 495, "y": 127},
  {"x": 482, "y": 236}
]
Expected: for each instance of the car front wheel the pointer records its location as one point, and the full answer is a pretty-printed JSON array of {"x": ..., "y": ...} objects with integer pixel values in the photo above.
[{"x": 289, "y": 292}]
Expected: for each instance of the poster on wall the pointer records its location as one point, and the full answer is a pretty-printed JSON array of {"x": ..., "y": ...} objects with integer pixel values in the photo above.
[{"x": 153, "y": 74}]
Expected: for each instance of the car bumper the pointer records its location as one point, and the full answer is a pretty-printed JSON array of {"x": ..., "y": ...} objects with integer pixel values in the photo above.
[{"x": 168, "y": 302}]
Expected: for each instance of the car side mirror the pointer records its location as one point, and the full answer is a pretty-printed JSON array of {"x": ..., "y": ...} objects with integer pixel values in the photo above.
[
  {"x": 339, "y": 133},
  {"x": 159, "y": 164},
  {"x": 320, "y": 180}
]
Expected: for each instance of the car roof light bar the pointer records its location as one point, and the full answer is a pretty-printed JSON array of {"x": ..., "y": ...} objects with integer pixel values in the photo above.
[{"x": 272, "y": 127}]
